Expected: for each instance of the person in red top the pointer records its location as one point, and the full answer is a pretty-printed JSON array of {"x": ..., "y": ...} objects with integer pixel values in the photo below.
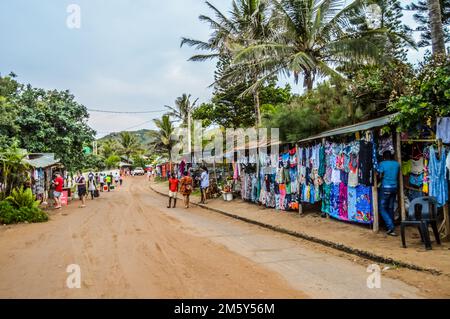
[
  {"x": 59, "y": 184},
  {"x": 173, "y": 190}
]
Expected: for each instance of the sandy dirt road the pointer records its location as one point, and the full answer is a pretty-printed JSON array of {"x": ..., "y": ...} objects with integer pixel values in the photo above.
[{"x": 129, "y": 245}]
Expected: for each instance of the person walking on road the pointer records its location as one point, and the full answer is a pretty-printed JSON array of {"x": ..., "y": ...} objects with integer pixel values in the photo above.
[
  {"x": 173, "y": 190},
  {"x": 101, "y": 181},
  {"x": 116, "y": 179},
  {"x": 108, "y": 180},
  {"x": 92, "y": 186},
  {"x": 204, "y": 184},
  {"x": 389, "y": 170},
  {"x": 186, "y": 185},
  {"x": 80, "y": 181}
]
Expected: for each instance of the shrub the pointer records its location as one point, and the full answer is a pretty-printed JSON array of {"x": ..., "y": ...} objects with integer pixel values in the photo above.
[
  {"x": 12, "y": 215},
  {"x": 7, "y": 212},
  {"x": 23, "y": 198},
  {"x": 21, "y": 206}
]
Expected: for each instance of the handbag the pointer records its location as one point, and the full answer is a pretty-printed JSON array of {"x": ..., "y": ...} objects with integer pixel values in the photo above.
[{"x": 96, "y": 193}]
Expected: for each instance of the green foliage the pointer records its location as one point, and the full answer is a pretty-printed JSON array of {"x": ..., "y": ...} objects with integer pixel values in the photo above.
[
  {"x": 12, "y": 215},
  {"x": 323, "y": 108},
  {"x": 183, "y": 106},
  {"x": 129, "y": 145},
  {"x": 112, "y": 161},
  {"x": 229, "y": 109},
  {"x": 139, "y": 161},
  {"x": 313, "y": 39},
  {"x": 13, "y": 169},
  {"x": 21, "y": 206},
  {"x": 94, "y": 162},
  {"x": 21, "y": 197},
  {"x": 48, "y": 121},
  {"x": 162, "y": 141},
  {"x": 373, "y": 87},
  {"x": 429, "y": 95}
]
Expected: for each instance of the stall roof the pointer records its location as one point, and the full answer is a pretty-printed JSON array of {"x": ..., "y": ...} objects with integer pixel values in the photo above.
[
  {"x": 363, "y": 126},
  {"x": 41, "y": 160}
]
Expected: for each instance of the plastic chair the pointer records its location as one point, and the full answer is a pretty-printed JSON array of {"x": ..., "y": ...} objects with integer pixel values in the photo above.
[{"x": 427, "y": 218}]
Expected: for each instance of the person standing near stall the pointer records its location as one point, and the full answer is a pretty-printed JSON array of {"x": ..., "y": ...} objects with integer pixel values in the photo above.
[
  {"x": 59, "y": 183},
  {"x": 204, "y": 184},
  {"x": 186, "y": 185},
  {"x": 389, "y": 170},
  {"x": 101, "y": 181},
  {"x": 80, "y": 181}
]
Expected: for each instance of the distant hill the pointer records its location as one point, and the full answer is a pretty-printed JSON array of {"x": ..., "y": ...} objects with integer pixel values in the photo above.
[{"x": 142, "y": 136}]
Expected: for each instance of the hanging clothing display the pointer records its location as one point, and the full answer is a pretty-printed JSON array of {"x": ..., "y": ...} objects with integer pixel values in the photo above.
[
  {"x": 443, "y": 129},
  {"x": 365, "y": 172},
  {"x": 438, "y": 186},
  {"x": 340, "y": 175}
]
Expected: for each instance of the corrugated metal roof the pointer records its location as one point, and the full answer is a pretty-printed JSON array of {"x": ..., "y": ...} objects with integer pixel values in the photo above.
[
  {"x": 41, "y": 160},
  {"x": 363, "y": 126}
]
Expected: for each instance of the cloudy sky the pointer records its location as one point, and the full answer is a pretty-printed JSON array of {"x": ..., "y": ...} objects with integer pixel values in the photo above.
[{"x": 125, "y": 57}]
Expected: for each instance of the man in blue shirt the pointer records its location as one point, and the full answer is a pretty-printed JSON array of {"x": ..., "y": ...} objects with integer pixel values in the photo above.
[{"x": 389, "y": 170}]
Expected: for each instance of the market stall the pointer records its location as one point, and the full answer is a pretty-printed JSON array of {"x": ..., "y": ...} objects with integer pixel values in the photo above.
[{"x": 43, "y": 166}]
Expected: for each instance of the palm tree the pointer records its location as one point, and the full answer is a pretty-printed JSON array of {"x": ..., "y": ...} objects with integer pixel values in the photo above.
[
  {"x": 129, "y": 144},
  {"x": 249, "y": 21},
  {"x": 109, "y": 147},
  {"x": 314, "y": 38},
  {"x": 13, "y": 169},
  {"x": 162, "y": 141},
  {"x": 183, "y": 108},
  {"x": 437, "y": 30}
]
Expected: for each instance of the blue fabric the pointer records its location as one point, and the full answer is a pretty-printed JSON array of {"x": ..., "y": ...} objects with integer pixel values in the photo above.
[
  {"x": 390, "y": 170},
  {"x": 364, "y": 212},
  {"x": 334, "y": 201},
  {"x": 351, "y": 200},
  {"x": 416, "y": 180},
  {"x": 438, "y": 185},
  {"x": 443, "y": 129},
  {"x": 204, "y": 180},
  {"x": 387, "y": 200}
]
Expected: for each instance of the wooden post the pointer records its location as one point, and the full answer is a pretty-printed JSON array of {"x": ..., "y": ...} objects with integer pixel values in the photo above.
[
  {"x": 376, "y": 219},
  {"x": 446, "y": 221},
  {"x": 401, "y": 196},
  {"x": 300, "y": 205}
]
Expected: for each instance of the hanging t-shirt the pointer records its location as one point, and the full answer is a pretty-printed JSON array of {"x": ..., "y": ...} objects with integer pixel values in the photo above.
[
  {"x": 417, "y": 166},
  {"x": 443, "y": 129},
  {"x": 365, "y": 172}
]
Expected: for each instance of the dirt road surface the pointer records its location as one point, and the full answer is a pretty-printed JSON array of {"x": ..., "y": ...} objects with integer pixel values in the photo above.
[{"x": 129, "y": 245}]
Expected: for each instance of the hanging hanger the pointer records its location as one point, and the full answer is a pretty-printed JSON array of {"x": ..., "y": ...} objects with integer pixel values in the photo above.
[{"x": 419, "y": 155}]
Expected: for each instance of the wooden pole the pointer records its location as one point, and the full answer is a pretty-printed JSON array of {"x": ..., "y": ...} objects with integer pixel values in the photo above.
[
  {"x": 376, "y": 219},
  {"x": 401, "y": 196},
  {"x": 446, "y": 221},
  {"x": 300, "y": 205}
]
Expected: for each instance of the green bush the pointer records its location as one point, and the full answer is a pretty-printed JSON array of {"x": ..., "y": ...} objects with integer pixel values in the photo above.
[
  {"x": 21, "y": 207},
  {"x": 12, "y": 215},
  {"x": 23, "y": 198}
]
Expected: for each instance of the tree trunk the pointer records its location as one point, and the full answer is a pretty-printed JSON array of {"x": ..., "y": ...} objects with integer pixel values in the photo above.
[
  {"x": 257, "y": 108},
  {"x": 308, "y": 80},
  {"x": 437, "y": 30}
]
